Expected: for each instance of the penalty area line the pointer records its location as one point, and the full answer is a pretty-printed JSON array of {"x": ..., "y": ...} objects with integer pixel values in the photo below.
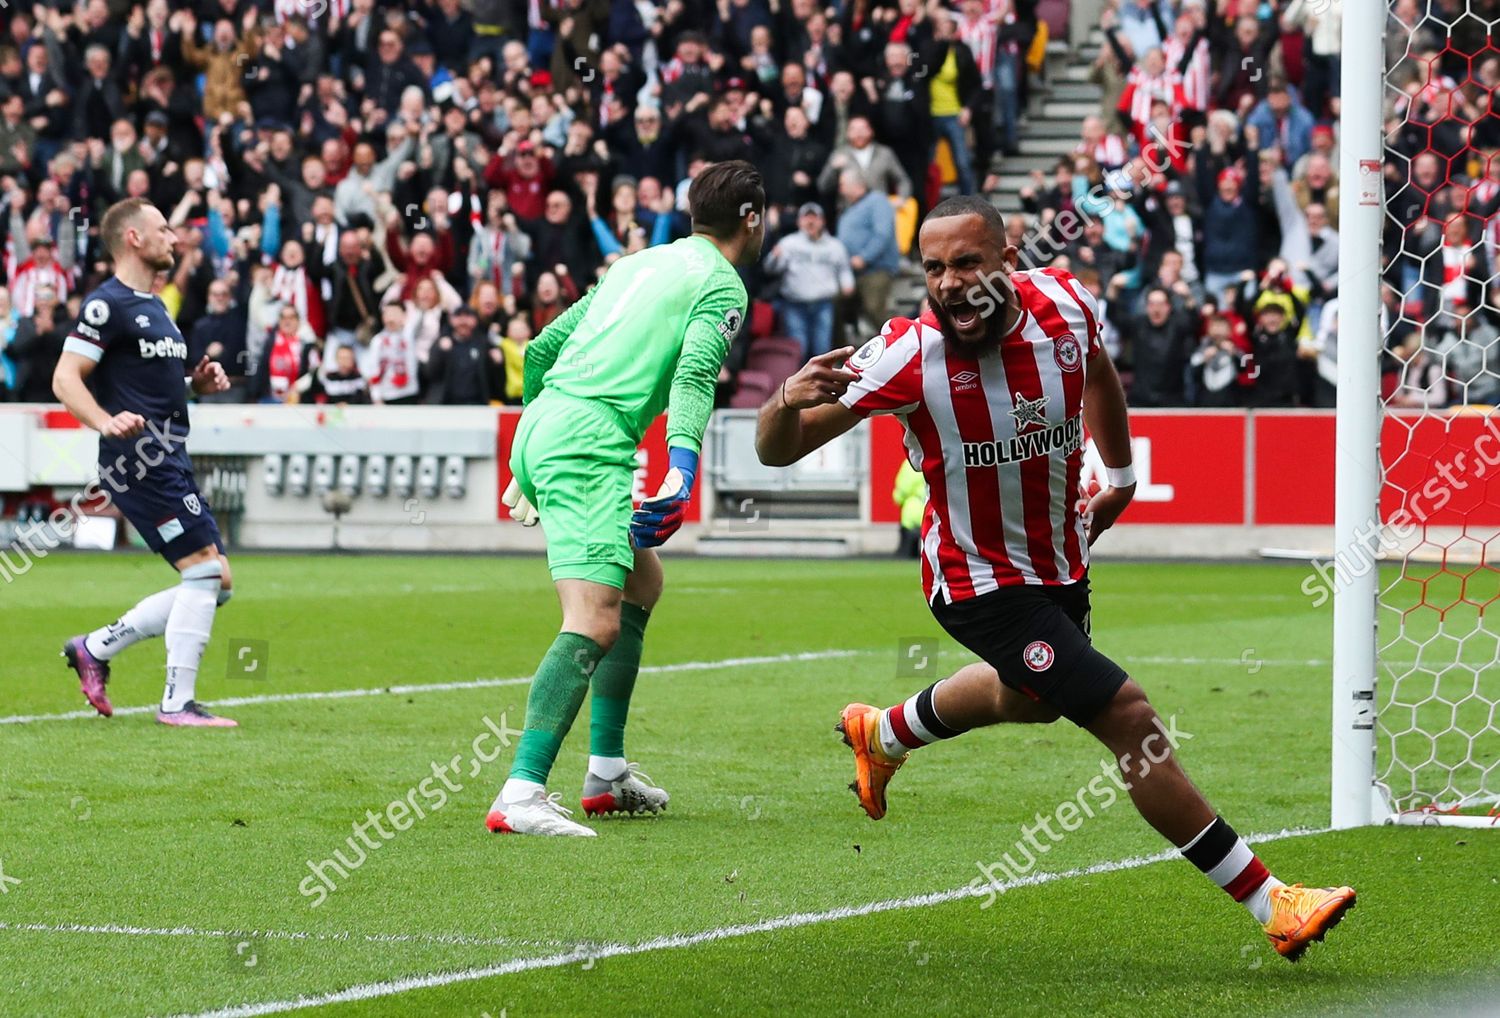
[
  {"x": 795, "y": 920},
  {"x": 439, "y": 687}
]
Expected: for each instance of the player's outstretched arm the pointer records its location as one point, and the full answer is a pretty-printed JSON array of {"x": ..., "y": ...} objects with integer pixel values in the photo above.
[
  {"x": 69, "y": 386},
  {"x": 805, "y": 413},
  {"x": 1109, "y": 424}
]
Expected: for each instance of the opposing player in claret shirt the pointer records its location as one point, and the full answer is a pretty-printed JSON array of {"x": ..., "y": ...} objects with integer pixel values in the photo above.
[
  {"x": 994, "y": 385},
  {"x": 123, "y": 372}
]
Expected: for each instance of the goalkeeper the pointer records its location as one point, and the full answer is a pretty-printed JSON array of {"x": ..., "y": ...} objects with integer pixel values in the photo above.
[{"x": 651, "y": 336}]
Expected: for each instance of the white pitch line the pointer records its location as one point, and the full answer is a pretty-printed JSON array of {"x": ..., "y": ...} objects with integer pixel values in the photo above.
[
  {"x": 369, "y": 991},
  {"x": 437, "y": 687},
  {"x": 446, "y": 939}
]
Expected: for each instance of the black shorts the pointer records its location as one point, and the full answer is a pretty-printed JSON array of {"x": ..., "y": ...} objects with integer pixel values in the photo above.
[
  {"x": 163, "y": 503},
  {"x": 1037, "y": 638}
]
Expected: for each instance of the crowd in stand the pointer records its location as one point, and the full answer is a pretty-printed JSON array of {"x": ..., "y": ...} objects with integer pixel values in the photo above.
[{"x": 383, "y": 202}]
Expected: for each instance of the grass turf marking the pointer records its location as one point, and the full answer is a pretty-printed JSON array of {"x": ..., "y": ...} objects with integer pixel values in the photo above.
[
  {"x": 450, "y": 939},
  {"x": 433, "y": 687},
  {"x": 405, "y": 984}
]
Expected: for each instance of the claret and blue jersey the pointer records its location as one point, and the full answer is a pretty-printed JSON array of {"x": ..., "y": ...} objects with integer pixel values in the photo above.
[
  {"x": 141, "y": 365},
  {"x": 141, "y": 362}
]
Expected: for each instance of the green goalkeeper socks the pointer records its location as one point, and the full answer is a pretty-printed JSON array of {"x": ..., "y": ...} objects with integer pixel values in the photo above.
[
  {"x": 614, "y": 681},
  {"x": 557, "y": 692}
]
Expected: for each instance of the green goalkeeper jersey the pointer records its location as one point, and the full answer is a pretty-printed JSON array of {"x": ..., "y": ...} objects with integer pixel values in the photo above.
[{"x": 651, "y": 336}]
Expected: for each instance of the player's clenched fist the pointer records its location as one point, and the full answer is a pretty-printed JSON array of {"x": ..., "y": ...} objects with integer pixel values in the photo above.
[
  {"x": 822, "y": 380},
  {"x": 209, "y": 377},
  {"x": 123, "y": 425}
]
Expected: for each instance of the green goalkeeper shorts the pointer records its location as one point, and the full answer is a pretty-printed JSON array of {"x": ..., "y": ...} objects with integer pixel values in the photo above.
[{"x": 576, "y": 463}]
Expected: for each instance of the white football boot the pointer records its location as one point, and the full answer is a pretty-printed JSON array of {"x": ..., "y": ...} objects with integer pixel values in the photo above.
[
  {"x": 631, "y": 792},
  {"x": 540, "y": 813}
]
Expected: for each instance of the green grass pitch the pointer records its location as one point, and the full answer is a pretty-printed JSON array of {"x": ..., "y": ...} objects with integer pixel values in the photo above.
[{"x": 150, "y": 871}]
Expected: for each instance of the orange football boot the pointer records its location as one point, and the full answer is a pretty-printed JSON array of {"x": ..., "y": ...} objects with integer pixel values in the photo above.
[
  {"x": 1301, "y": 915},
  {"x": 860, "y": 726}
]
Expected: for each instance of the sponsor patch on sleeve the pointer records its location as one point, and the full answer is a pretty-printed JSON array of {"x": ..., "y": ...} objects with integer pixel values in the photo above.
[
  {"x": 865, "y": 357},
  {"x": 730, "y": 326}
]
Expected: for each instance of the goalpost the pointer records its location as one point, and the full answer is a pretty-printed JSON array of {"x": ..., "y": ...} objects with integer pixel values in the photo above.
[{"x": 1416, "y": 631}]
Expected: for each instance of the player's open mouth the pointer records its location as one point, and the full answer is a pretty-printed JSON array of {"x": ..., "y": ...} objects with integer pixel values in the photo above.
[{"x": 965, "y": 315}]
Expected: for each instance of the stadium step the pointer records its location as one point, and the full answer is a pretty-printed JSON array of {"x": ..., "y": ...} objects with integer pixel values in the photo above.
[
  {"x": 1054, "y": 127},
  {"x": 1054, "y": 146},
  {"x": 1026, "y": 162},
  {"x": 1076, "y": 92},
  {"x": 1013, "y": 182},
  {"x": 1075, "y": 111}
]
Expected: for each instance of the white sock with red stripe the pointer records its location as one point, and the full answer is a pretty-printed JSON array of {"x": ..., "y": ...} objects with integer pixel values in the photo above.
[
  {"x": 912, "y": 724},
  {"x": 1225, "y": 859}
]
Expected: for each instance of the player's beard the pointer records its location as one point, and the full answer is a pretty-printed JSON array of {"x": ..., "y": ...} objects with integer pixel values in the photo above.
[
  {"x": 967, "y": 341},
  {"x": 161, "y": 263}
]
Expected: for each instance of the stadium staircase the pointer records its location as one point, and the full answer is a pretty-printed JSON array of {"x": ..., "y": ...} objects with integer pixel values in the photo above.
[
  {"x": 1050, "y": 128},
  {"x": 808, "y": 525}
]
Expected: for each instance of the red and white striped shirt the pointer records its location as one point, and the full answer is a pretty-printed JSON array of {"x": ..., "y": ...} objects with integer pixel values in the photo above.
[
  {"x": 980, "y": 36},
  {"x": 1142, "y": 89},
  {"x": 1110, "y": 152},
  {"x": 998, "y": 438},
  {"x": 30, "y": 277},
  {"x": 1195, "y": 79}
]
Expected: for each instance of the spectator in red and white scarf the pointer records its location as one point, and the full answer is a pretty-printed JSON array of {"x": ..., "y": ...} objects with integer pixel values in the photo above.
[
  {"x": 292, "y": 284},
  {"x": 498, "y": 245},
  {"x": 41, "y": 269},
  {"x": 290, "y": 353},
  {"x": 389, "y": 362}
]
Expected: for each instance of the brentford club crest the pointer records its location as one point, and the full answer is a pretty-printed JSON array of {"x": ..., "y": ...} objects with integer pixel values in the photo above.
[
  {"x": 1065, "y": 349},
  {"x": 1038, "y": 655}
]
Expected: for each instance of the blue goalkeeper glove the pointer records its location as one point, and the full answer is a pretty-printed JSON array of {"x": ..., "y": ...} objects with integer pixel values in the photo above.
[{"x": 660, "y": 517}]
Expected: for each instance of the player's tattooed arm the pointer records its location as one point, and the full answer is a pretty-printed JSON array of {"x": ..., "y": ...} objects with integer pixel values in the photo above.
[
  {"x": 805, "y": 413},
  {"x": 70, "y": 387}
]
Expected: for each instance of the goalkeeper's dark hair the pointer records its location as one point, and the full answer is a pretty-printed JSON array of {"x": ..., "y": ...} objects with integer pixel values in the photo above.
[
  {"x": 723, "y": 196},
  {"x": 972, "y": 205}
]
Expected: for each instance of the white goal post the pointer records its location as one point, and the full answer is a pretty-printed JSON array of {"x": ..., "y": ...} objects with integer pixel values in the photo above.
[{"x": 1416, "y": 662}]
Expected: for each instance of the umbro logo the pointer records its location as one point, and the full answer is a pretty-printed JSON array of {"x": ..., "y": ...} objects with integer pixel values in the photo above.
[
  {"x": 142, "y": 322},
  {"x": 965, "y": 380}
]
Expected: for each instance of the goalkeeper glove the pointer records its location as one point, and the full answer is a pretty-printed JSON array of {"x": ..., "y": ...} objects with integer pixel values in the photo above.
[
  {"x": 659, "y": 518},
  {"x": 521, "y": 509}
]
